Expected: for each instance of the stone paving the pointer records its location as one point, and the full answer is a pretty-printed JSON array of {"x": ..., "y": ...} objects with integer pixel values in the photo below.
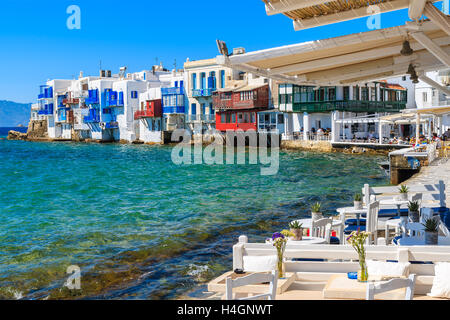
[{"x": 438, "y": 170}]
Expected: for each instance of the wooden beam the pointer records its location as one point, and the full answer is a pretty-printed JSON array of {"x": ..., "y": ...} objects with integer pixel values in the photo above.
[
  {"x": 432, "y": 46},
  {"x": 311, "y": 46},
  {"x": 416, "y": 8},
  {"x": 290, "y": 5},
  {"x": 351, "y": 58},
  {"x": 437, "y": 17},
  {"x": 434, "y": 84},
  {"x": 348, "y": 15}
]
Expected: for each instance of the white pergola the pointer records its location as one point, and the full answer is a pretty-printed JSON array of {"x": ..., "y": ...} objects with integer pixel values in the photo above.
[{"x": 355, "y": 58}]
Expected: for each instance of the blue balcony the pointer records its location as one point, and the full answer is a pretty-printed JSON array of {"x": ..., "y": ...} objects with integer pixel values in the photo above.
[
  {"x": 113, "y": 99},
  {"x": 203, "y": 92},
  {"x": 170, "y": 110},
  {"x": 93, "y": 97},
  {"x": 112, "y": 125},
  {"x": 46, "y": 109},
  {"x": 172, "y": 91},
  {"x": 46, "y": 92},
  {"x": 93, "y": 117}
]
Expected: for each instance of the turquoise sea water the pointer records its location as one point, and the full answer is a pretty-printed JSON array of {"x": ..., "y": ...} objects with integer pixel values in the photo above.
[{"x": 140, "y": 226}]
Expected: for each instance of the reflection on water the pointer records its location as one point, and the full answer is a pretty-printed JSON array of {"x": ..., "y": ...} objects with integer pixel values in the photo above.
[{"x": 142, "y": 227}]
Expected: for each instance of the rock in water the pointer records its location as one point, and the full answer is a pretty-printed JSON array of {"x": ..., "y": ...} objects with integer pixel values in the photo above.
[{"x": 16, "y": 135}]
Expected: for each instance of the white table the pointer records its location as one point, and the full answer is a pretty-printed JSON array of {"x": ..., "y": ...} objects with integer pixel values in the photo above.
[
  {"x": 338, "y": 224},
  {"x": 394, "y": 202},
  {"x": 351, "y": 211},
  {"x": 420, "y": 241},
  {"x": 305, "y": 241}
]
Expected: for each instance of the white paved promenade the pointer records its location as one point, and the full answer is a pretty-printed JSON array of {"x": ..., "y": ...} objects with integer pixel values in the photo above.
[{"x": 439, "y": 170}]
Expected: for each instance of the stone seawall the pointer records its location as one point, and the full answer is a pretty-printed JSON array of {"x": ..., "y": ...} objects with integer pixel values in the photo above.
[{"x": 321, "y": 146}]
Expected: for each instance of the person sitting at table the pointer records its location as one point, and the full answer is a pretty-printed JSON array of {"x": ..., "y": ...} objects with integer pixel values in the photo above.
[{"x": 446, "y": 135}]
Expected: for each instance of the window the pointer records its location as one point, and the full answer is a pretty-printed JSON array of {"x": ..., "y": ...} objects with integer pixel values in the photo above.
[
  {"x": 261, "y": 118},
  {"x": 134, "y": 94},
  {"x": 222, "y": 118},
  {"x": 194, "y": 81},
  {"x": 240, "y": 118},
  {"x": 228, "y": 118},
  {"x": 233, "y": 117},
  {"x": 280, "y": 119},
  {"x": 355, "y": 93},
  {"x": 202, "y": 80},
  {"x": 246, "y": 118},
  {"x": 222, "y": 79},
  {"x": 346, "y": 93},
  {"x": 273, "y": 118},
  {"x": 424, "y": 96},
  {"x": 246, "y": 95},
  {"x": 252, "y": 117},
  {"x": 211, "y": 108},
  {"x": 193, "y": 109}
]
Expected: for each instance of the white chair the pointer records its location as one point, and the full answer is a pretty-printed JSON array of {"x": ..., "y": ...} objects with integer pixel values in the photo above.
[
  {"x": 372, "y": 222},
  {"x": 322, "y": 229},
  {"x": 394, "y": 284},
  {"x": 255, "y": 278},
  {"x": 426, "y": 213}
]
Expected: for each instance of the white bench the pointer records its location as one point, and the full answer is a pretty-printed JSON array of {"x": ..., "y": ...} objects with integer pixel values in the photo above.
[{"x": 313, "y": 275}]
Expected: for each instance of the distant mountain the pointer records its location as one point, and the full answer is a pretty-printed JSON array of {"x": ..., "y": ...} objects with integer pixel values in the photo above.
[{"x": 13, "y": 114}]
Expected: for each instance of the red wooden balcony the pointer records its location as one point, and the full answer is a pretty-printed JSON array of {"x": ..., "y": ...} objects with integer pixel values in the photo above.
[
  {"x": 151, "y": 109},
  {"x": 70, "y": 101},
  {"x": 248, "y": 97}
]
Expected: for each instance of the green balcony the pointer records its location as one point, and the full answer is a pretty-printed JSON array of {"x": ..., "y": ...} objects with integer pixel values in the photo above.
[{"x": 349, "y": 106}]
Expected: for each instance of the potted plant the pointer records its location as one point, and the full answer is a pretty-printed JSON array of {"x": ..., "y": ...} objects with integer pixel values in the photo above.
[
  {"x": 413, "y": 209},
  {"x": 403, "y": 192},
  {"x": 431, "y": 231},
  {"x": 358, "y": 201},
  {"x": 297, "y": 230},
  {"x": 315, "y": 211}
]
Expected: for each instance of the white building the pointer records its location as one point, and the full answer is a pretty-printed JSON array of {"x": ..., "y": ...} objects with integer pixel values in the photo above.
[{"x": 426, "y": 96}]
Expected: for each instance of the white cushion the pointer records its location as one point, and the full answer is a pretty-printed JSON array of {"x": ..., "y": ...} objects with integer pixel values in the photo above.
[
  {"x": 387, "y": 269},
  {"x": 441, "y": 282},
  {"x": 260, "y": 263}
]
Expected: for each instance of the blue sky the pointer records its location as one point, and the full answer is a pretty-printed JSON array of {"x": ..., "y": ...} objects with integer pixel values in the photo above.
[{"x": 36, "y": 45}]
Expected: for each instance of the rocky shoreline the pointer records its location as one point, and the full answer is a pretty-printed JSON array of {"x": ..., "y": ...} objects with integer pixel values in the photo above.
[{"x": 37, "y": 132}]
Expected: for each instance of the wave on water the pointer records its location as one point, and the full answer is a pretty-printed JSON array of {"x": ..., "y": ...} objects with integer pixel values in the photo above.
[{"x": 141, "y": 227}]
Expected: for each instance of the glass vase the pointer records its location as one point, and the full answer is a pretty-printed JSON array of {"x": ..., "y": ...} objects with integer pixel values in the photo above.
[
  {"x": 363, "y": 275},
  {"x": 280, "y": 262}
]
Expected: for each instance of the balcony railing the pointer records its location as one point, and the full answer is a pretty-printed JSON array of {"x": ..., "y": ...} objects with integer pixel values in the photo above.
[
  {"x": 46, "y": 109},
  {"x": 93, "y": 117},
  {"x": 203, "y": 92},
  {"x": 46, "y": 92},
  {"x": 172, "y": 91},
  {"x": 169, "y": 110},
  {"x": 208, "y": 118},
  {"x": 92, "y": 97},
  {"x": 111, "y": 125},
  {"x": 144, "y": 114},
  {"x": 71, "y": 101},
  {"x": 113, "y": 99},
  {"x": 350, "y": 106}
]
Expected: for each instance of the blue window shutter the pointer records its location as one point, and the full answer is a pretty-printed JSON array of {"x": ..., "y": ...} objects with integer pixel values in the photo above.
[
  {"x": 211, "y": 82},
  {"x": 194, "y": 108},
  {"x": 176, "y": 84}
]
